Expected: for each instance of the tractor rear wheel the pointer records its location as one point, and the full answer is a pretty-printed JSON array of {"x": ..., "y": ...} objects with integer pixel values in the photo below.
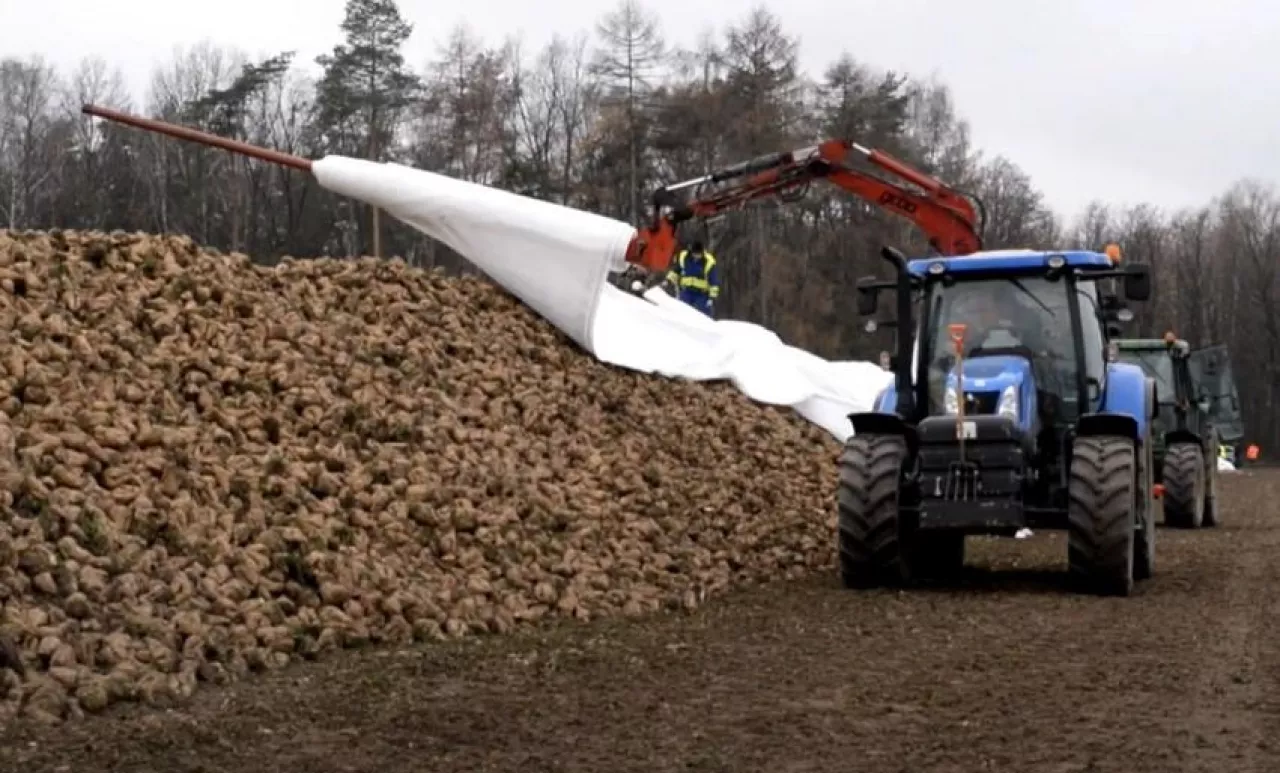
[
  {"x": 870, "y": 540},
  {"x": 1184, "y": 485},
  {"x": 1100, "y": 514}
]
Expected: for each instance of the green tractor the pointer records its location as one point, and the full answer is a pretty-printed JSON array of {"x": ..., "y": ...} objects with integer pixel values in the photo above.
[{"x": 1198, "y": 414}]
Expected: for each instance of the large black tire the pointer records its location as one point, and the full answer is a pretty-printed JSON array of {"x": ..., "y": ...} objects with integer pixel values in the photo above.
[
  {"x": 1144, "y": 551},
  {"x": 1100, "y": 514},
  {"x": 1184, "y": 485},
  {"x": 1211, "y": 515},
  {"x": 870, "y": 540}
]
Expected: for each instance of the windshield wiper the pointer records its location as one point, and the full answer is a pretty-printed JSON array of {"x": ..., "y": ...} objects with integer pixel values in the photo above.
[{"x": 1018, "y": 284}]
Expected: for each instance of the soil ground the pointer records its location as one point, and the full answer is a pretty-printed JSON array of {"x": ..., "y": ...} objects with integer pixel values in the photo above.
[{"x": 1005, "y": 670}]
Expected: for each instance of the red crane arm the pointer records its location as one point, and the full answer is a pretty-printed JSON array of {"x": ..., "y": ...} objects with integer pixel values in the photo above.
[{"x": 947, "y": 217}]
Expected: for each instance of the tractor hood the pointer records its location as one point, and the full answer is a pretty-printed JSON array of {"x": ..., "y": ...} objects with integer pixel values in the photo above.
[
  {"x": 996, "y": 384},
  {"x": 992, "y": 373}
]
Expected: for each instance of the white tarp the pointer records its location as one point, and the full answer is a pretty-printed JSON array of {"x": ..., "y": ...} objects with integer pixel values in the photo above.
[
  {"x": 557, "y": 259},
  {"x": 553, "y": 258},
  {"x": 1225, "y": 466},
  {"x": 659, "y": 334}
]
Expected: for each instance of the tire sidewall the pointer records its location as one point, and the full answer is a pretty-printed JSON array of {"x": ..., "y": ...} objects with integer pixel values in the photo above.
[
  {"x": 1210, "y": 515},
  {"x": 1189, "y": 510},
  {"x": 1102, "y": 541},
  {"x": 1201, "y": 490}
]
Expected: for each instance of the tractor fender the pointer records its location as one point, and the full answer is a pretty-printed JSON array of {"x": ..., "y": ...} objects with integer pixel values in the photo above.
[
  {"x": 883, "y": 423},
  {"x": 1128, "y": 404},
  {"x": 1105, "y": 423},
  {"x": 1182, "y": 436},
  {"x": 878, "y": 423}
]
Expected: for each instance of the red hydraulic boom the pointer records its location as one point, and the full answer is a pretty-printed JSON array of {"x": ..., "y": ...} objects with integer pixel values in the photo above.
[{"x": 948, "y": 218}]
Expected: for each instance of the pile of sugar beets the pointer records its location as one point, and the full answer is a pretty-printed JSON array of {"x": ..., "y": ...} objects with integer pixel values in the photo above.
[{"x": 210, "y": 468}]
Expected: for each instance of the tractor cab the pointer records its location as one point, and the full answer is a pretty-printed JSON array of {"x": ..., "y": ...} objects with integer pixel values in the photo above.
[
  {"x": 1165, "y": 361},
  {"x": 1005, "y": 346},
  {"x": 1192, "y": 383},
  {"x": 1003, "y": 412}
]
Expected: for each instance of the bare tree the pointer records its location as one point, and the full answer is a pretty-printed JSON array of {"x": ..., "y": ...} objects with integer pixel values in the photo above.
[
  {"x": 627, "y": 62},
  {"x": 1015, "y": 210},
  {"x": 1251, "y": 230},
  {"x": 179, "y": 172},
  {"x": 938, "y": 136},
  {"x": 28, "y": 161},
  {"x": 91, "y": 158},
  {"x": 1190, "y": 253},
  {"x": 1094, "y": 227},
  {"x": 538, "y": 101},
  {"x": 459, "y": 125}
]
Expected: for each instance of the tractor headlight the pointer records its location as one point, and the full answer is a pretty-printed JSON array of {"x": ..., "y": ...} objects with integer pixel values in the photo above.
[
  {"x": 951, "y": 400},
  {"x": 1008, "y": 405}
]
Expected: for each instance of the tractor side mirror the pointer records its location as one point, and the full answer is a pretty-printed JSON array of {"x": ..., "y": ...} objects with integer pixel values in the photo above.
[
  {"x": 1137, "y": 282},
  {"x": 868, "y": 297}
]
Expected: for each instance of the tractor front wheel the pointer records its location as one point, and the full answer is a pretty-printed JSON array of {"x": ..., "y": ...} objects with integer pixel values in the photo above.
[
  {"x": 1100, "y": 514},
  {"x": 1184, "y": 485},
  {"x": 870, "y": 540}
]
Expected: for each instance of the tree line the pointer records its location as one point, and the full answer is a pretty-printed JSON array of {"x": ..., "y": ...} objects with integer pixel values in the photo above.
[{"x": 597, "y": 119}]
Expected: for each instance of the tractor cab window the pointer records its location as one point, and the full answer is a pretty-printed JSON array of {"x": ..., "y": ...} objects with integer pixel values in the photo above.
[
  {"x": 1024, "y": 316},
  {"x": 1158, "y": 366}
]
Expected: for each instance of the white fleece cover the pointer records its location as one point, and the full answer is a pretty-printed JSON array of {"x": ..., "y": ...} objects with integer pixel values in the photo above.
[{"x": 556, "y": 259}]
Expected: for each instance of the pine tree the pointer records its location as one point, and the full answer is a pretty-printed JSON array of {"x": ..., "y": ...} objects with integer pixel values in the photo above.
[{"x": 365, "y": 88}]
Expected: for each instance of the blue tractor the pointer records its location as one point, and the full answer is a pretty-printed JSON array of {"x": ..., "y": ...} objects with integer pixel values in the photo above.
[{"x": 1004, "y": 414}]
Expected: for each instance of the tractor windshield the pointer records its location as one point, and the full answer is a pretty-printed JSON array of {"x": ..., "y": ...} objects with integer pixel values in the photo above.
[
  {"x": 1157, "y": 365},
  {"x": 1026, "y": 317}
]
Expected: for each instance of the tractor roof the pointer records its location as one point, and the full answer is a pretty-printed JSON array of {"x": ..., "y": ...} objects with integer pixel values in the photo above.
[
  {"x": 1149, "y": 344},
  {"x": 1013, "y": 261},
  {"x": 1141, "y": 344}
]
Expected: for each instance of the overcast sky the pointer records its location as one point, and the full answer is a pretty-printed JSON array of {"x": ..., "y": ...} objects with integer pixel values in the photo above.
[{"x": 1166, "y": 101}]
